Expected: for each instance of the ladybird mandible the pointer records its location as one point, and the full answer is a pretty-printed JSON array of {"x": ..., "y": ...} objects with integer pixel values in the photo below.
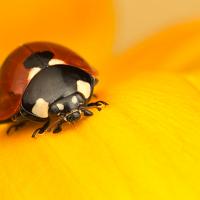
[{"x": 48, "y": 83}]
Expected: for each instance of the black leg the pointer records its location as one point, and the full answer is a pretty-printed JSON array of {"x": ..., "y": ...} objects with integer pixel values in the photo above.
[
  {"x": 95, "y": 96},
  {"x": 58, "y": 127},
  {"x": 87, "y": 112},
  {"x": 17, "y": 117},
  {"x": 98, "y": 105},
  {"x": 6, "y": 121},
  {"x": 16, "y": 126},
  {"x": 41, "y": 129}
]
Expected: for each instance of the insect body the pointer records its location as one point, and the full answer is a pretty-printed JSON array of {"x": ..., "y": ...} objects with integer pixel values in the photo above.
[{"x": 40, "y": 81}]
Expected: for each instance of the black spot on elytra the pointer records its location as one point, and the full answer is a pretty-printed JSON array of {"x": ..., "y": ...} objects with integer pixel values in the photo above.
[{"x": 38, "y": 59}]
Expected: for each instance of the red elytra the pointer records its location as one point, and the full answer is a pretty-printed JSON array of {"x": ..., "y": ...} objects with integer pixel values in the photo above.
[{"x": 14, "y": 75}]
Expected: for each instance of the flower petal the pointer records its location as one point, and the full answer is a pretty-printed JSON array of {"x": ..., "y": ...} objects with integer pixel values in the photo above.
[
  {"x": 156, "y": 88},
  {"x": 155, "y": 135},
  {"x": 144, "y": 145}
]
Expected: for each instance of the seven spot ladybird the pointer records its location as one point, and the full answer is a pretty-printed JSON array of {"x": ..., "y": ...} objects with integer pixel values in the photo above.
[{"x": 41, "y": 81}]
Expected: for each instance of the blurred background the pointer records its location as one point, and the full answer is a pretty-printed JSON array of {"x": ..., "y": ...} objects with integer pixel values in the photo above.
[
  {"x": 88, "y": 26},
  {"x": 137, "y": 19}
]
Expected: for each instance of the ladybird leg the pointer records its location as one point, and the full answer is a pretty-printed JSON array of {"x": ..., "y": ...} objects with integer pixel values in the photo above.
[
  {"x": 98, "y": 105},
  {"x": 95, "y": 96},
  {"x": 16, "y": 126},
  {"x": 6, "y": 121},
  {"x": 86, "y": 112},
  {"x": 17, "y": 117},
  {"x": 41, "y": 129},
  {"x": 58, "y": 127}
]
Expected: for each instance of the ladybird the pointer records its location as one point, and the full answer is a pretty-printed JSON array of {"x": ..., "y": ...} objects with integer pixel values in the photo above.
[{"x": 47, "y": 83}]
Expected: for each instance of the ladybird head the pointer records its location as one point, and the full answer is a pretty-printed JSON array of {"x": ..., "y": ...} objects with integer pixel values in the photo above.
[
  {"x": 68, "y": 107},
  {"x": 73, "y": 116}
]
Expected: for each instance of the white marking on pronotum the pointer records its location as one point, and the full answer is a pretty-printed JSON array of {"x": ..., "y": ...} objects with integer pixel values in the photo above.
[
  {"x": 84, "y": 88},
  {"x": 74, "y": 100},
  {"x": 55, "y": 61},
  {"x": 60, "y": 106},
  {"x": 41, "y": 108},
  {"x": 33, "y": 72}
]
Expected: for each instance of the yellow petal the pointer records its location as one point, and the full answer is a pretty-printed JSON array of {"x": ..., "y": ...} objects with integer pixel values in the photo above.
[
  {"x": 145, "y": 145},
  {"x": 155, "y": 135},
  {"x": 156, "y": 87}
]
